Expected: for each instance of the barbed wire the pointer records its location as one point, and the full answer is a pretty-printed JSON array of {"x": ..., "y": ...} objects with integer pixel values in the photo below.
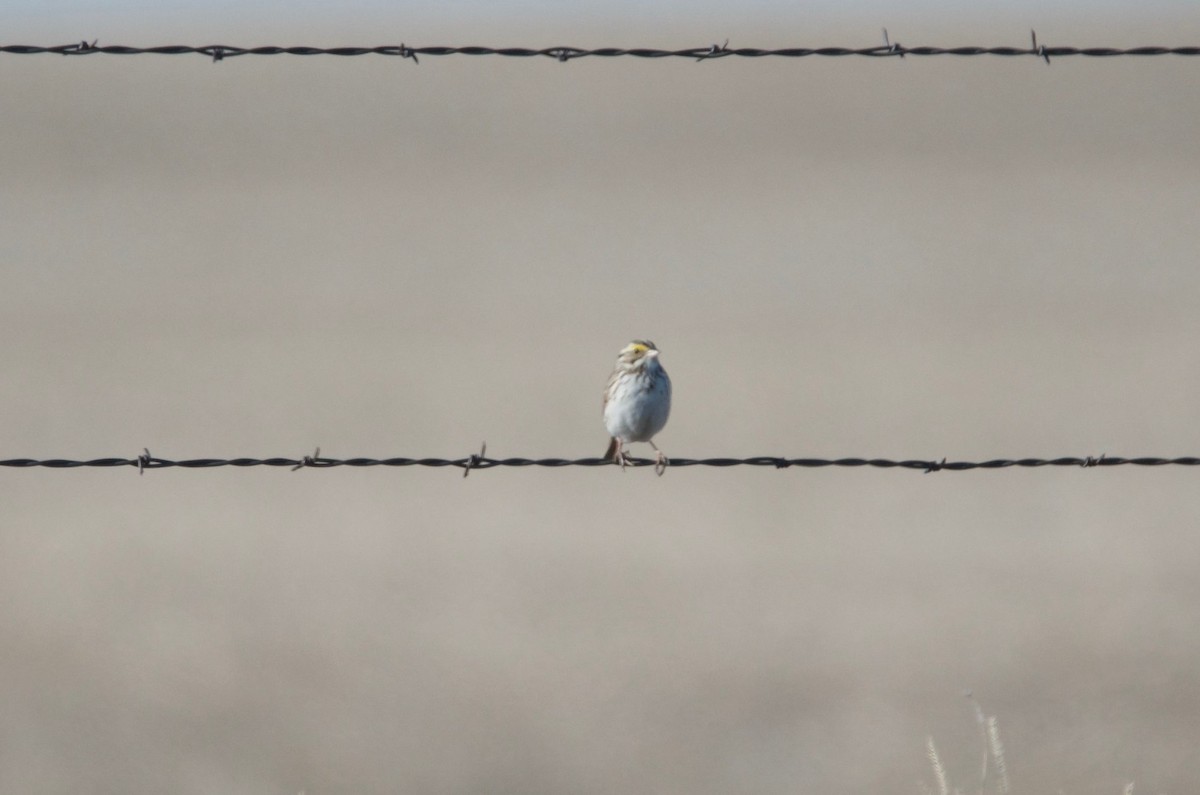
[
  {"x": 480, "y": 460},
  {"x": 888, "y": 49}
]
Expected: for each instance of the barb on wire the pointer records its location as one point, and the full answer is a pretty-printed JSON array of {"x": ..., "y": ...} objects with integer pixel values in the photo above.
[
  {"x": 715, "y": 51},
  {"x": 308, "y": 460},
  {"x": 220, "y": 52},
  {"x": 476, "y": 461},
  {"x": 896, "y": 48},
  {"x": 1038, "y": 50}
]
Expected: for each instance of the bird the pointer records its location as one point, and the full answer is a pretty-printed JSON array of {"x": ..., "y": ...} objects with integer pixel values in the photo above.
[{"x": 637, "y": 402}]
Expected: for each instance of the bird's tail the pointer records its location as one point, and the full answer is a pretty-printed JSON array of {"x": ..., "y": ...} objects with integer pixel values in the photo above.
[{"x": 611, "y": 455}]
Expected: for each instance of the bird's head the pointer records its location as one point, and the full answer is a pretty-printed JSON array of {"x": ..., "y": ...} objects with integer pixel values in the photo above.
[{"x": 637, "y": 354}]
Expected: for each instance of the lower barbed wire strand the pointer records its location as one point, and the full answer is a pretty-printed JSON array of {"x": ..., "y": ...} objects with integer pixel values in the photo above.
[{"x": 473, "y": 462}]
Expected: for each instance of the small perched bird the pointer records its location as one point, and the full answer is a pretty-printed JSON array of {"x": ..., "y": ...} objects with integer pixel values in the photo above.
[{"x": 637, "y": 401}]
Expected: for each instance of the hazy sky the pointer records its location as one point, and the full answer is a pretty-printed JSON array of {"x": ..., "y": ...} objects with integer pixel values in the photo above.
[
  {"x": 619, "y": 22},
  {"x": 557, "y": 9}
]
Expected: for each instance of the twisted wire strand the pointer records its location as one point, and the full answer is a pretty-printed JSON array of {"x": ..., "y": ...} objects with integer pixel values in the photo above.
[
  {"x": 481, "y": 461},
  {"x": 888, "y": 49}
]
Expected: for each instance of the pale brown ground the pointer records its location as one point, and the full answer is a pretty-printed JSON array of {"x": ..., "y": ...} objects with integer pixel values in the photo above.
[{"x": 969, "y": 258}]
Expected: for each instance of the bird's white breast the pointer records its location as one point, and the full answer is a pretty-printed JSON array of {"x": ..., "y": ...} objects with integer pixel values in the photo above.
[{"x": 640, "y": 406}]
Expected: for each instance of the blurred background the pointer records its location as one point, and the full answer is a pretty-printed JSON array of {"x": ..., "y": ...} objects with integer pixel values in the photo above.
[{"x": 918, "y": 258}]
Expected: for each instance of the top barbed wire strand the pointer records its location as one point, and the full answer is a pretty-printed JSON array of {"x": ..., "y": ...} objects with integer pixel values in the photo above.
[
  {"x": 481, "y": 461},
  {"x": 888, "y": 49}
]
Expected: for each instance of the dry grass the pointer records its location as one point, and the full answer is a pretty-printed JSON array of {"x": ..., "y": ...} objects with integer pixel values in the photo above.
[{"x": 993, "y": 775}]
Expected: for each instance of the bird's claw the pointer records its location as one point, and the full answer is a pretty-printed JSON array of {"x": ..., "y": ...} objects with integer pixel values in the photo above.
[{"x": 621, "y": 458}]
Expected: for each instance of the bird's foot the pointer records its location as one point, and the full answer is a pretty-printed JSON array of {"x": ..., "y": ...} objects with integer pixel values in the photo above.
[{"x": 621, "y": 457}]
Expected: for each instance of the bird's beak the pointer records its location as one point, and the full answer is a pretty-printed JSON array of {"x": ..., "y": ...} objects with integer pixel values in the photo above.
[{"x": 652, "y": 354}]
